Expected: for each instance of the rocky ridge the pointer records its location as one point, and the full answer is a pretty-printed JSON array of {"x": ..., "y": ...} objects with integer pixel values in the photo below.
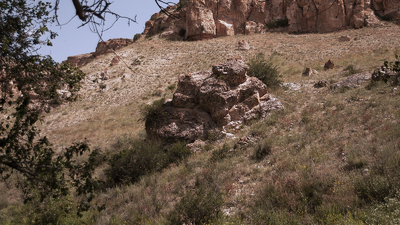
[{"x": 204, "y": 19}]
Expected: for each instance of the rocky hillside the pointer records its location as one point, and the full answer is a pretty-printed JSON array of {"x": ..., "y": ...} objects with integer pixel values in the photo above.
[
  {"x": 204, "y": 19},
  {"x": 329, "y": 156}
]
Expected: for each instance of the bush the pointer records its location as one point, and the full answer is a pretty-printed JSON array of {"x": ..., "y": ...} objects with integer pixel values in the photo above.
[
  {"x": 220, "y": 153},
  {"x": 136, "y": 37},
  {"x": 140, "y": 158},
  {"x": 200, "y": 205},
  {"x": 154, "y": 113},
  {"x": 136, "y": 158},
  {"x": 277, "y": 23},
  {"x": 261, "y": 150},
  {"x": 350, "y": 70},
  {"x": 267, "y": 72}
]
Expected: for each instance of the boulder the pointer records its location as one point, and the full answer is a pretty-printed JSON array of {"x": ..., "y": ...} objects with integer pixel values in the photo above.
[
  {"x": 104, "y": 47},
  {"x": 203, "y": 101},
  {"x": 353, "y": 81},
  {"x": 321, "y": 83},
  {"x": 115, "y": 61},
  {"x": 329, "y": 65},
  {"x": 243, "y": 45}
]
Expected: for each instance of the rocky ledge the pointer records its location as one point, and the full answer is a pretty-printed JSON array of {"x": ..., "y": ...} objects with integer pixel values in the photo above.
[{"x": 224, "y": 98}]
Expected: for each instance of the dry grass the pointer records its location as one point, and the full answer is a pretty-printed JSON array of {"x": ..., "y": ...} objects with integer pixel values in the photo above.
[{"x": 318, "y": 146}]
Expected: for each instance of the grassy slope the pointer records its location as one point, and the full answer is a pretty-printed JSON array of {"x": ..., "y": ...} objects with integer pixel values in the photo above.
[{"x": 320, "y": 143}]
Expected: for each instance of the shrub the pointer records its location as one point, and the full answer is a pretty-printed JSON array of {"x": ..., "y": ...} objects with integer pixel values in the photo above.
[
  {"x": 277, "y": 23},
  {"x": 267, "y": 72},
  {"x": 350, "y": 70},
  {"x": 220, "y": 153},
  {"x": 154, "y": 113},
  {"x": 136, "y": 37},
  {"x": 200, "y": 205},
  {"x": 136, "y": 158},
  {"x": 392, "y": 67},
  {"x": 139, "y": 158},
  {"x": 261, "y": 150}
]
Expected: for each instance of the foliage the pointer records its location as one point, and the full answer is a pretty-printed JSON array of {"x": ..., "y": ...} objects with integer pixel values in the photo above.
[
  {"x": 392, "y": 67},
  {"x": 262, "y": 149},
  {"x": 200, "y": 205},
  {"x": 220, "y": 153},
  {"x": 277, "y": 23},
  {"x": 350, "y": 70},
  {"x": 154, "y": 113},
  {"x": 137, "y": 36},
  {"x": 29, "y": 85},
  {"x": 136, "y": 158},
  {"x": 267, "y": 72}
]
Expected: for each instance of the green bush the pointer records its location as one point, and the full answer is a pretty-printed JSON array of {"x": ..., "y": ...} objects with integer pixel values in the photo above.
[
  {"x": 220, "y": 153},
  {"x": 261, "y": 150},
  {"x": 136, "y": 37},
  {"x": 154, "y": 113},
  {"x": 200, "y": 205},
  {"x": 350, "y": 70},
  {"x": 277, "y": 23},
  {"x": 267, "y": 72},
  {"x": 136, "y": 158},
  {"x": 140, "y": 158}
]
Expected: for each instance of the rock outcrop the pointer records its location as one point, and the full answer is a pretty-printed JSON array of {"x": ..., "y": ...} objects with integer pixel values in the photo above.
[
  {"x": 225, "y": 97},
  {"x": 203, "y": 19},
  {"x": 102, "y": 48}
]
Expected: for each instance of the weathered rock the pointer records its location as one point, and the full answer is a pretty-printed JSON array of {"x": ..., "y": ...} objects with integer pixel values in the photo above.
[
  {"x": 307, "y": 72},
  {"x": 329, "y": 65},
  {"x": 382, "y": 73},
  {"x": 321, "y": 83},
  {"x": 353, "y": 81},
  {"x": 110, "y": 45},
  {"x": 80, "y": 60},
  {"x": 115, "y": 61},
  {"x": 182, "y": 123},
  {"x": 204, "y": 19},
  {"x": 233, "y": 71},
  {"x": 344, "y": 38},
  {"x": 243, "y": 45},
  {"x": 203, "y": 101}
]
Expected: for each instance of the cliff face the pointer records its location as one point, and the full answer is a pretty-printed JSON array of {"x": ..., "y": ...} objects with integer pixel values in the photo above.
[{"x": 202, "y": 19}]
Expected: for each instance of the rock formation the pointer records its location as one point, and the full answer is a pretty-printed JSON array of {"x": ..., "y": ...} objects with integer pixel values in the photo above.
[
  {"x": 203, "y": 19},
  {"x": 102, "y": 48},
  {"x": 225, "y": 97}
]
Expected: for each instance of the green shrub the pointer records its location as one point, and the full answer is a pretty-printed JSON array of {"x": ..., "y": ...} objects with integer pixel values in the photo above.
[
  {"x": 220, "y": 153},
  {"x": 136, "y": 37},
  {"x": 139, "y": 158},
  {"x": 350, "y": 70},
  {"x": 267, "y": 72},
  {"x": 277, "y": 23},
  {"x": 395, "y": 68},
  {"x": 200, "y": 205},
  {"x": 261, "y": 150},
  {"x": 154, "y": 113},
  {"x": 136, "y": 158}
]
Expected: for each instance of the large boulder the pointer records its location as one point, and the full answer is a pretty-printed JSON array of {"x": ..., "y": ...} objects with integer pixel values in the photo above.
[{"x": 203, "y": 101}]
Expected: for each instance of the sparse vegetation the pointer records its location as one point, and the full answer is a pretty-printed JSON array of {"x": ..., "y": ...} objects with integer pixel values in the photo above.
[
  {"x": 277, "y": 23},
  {"x": 264, "y": 70}
]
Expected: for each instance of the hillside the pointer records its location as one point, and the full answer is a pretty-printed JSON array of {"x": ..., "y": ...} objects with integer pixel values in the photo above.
[{"x": 331, "y": 156}]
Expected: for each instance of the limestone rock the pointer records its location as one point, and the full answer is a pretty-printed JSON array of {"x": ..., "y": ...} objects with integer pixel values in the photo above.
[
  {"x": 110, "y": 45},
  {"x": 243, "y": 45},
  {"x": 353, "y": 81},
  {"x": 80, "y": 60},
  {"x": 204, "y": 101},
  {"x": 308, "y": 72},
  {"x": 115, "y": 60},
  {"x": 321, "y": 83},
  {"x": 344, "y": 38},
  {"x": 203, "y": 19}
]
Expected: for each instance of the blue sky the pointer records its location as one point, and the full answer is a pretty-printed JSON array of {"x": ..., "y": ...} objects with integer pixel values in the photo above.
[{"x": 74, "y": 41}]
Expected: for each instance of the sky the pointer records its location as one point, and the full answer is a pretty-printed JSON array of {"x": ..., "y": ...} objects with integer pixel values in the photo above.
[{"x": 72, "y": 40}]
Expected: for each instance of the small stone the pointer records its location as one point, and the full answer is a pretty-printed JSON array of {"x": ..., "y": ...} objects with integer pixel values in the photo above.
[
  {"x": 243, "y": 45},
  {"x": 344, "y": 38}
]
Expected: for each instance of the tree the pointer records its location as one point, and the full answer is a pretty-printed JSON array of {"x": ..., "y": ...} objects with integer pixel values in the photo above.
[{"x": 29, "y": 85}]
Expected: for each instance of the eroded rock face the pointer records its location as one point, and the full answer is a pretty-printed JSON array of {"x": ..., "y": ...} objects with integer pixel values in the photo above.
[
  {"x": 203, "y": 101},
  {"x": 102, "y": 48},
  {"x": 202, "y": 19}
]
